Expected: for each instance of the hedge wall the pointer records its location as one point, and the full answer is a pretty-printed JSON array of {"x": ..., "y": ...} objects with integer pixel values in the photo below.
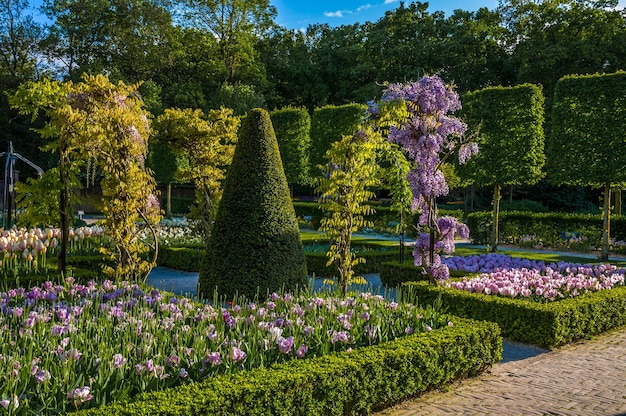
[
  {"x": 328, "y": 125},
  {"x": 383, "y": 218},
  {"x": 347, "y": 383},
  {"x": 543, "y": 324},
  {"x": 548, "y": 227},
  {"x": 293, "y": 131}
]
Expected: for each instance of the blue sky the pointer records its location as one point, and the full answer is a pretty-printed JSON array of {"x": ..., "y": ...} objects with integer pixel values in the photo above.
[{"x": 298, "y": 14}]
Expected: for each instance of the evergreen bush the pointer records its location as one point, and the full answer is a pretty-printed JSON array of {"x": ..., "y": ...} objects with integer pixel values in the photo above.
[
  {"x": 293, "y": 130},
  {"x": 255, "y": 245}
]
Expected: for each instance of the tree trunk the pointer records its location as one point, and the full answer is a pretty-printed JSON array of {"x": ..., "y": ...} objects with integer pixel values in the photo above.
[
  {"x": 168, "y": 208},
  {"x": 496, "y": 215},
  {"x": 618, "y": 202},
  {"x": 606, "y": 223}
]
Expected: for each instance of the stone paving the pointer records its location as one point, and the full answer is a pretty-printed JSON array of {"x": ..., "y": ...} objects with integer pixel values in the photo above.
[{"x": 585, "y": 378}]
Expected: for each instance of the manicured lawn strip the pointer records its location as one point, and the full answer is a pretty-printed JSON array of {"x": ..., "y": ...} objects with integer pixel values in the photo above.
[
  {"x": 544, "y": 324},
  {"x": 347, "y": 383}
]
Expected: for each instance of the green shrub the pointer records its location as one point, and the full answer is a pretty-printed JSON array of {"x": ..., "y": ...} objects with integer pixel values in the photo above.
[
  {"x": 394, "y": 273},
  {"x": 547, "y": 227},
  {"x": 347, "y": 383},
  {"x": 293, "y": 132},
  {"x": 328, "y": 125},
  {"x": 255, "y": 242},
  {"x": 181, "y": 258},
  {"x": 544, "y": 324}
]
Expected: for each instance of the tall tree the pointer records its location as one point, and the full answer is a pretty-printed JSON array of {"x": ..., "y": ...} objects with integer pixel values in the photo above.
[
  {"x": 553, "y": 38},
  {"x": 235, "y": 24},
  {"x": 588, "y": 135},
  {"x": 78, "y": 36},
  {"x": 510, "y": 125},
  {"x": 19, "y": 41},
  {"x": 20, "y": 61},
  {"x": 472, "y": 50}
]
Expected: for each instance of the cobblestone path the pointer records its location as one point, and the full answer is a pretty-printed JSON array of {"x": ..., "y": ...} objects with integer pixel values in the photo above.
[{"x": 586, "y": 378}]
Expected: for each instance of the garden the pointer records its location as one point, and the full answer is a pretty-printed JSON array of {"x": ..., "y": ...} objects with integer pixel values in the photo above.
[{"x": 83, "y": 332}]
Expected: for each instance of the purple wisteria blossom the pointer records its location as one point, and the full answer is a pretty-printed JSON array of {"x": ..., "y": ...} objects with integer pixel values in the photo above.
[{"x": 428, "y": 136}]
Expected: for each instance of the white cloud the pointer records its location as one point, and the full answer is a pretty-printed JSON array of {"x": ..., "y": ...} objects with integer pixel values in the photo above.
[
  {"x": 363, "y": 7},
  {"x": 390, "y": 1},
  {"x": 338, "y": 13}
]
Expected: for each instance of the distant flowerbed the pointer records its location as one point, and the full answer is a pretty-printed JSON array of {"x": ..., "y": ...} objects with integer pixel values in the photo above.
[
  {"x": 72, "y": 346},
  {"x": 513, "y": 277},
  {"x": 24, "y": 251}
]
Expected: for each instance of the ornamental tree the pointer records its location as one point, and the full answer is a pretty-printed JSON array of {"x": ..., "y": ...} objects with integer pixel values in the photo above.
[
  {"x": 428, "y": 134},
  {"x": 588, "y": 137},
  {"x": 509, "y": 121},
  {"x": 255, "y": 246},
  {"x": 206, "y": 142},
  {"x": 345, "y": 188},
  {"x": 96, "y": 120},
  {"x": 293, "y": 132}
]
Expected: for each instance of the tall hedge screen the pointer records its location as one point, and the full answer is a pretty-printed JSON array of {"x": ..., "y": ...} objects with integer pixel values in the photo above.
[
  {"x": 293, "y": 130},
  {"x": 328, "y": 125}
]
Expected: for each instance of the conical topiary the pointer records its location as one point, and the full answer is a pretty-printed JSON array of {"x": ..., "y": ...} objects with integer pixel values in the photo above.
[{"x": 255, "y": 245}]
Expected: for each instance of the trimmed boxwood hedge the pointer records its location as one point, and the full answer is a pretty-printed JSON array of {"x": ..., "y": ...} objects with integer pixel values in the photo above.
[
  {"x": 548, "y": 227},
  {"x": 394, "y": 273},
  {"x": 346, "y": 383},
  {"x": 543, "y": 324}
]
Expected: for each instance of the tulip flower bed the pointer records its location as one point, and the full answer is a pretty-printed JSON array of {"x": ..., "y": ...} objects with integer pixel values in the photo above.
[
  {"x": 24, "y": 252},
  {"x": 74, "y": 346},
  {"x": 535, "y": 280}
]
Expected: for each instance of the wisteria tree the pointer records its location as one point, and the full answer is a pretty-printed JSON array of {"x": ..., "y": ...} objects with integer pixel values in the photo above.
[
  {"x": 98, "y": 120},
  {"x": 428, "y": 134}
]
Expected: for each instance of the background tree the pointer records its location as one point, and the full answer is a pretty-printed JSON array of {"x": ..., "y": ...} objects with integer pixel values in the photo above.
[
  {"x": 235, "y": 24},
  {"x": 206, "y": 143},
  {"x": 20, "y": 61},
  {"x": 510, "y": 125},
  {"x": 550, "y": 39},
  {"x": 255, "y": 245},
  {"x": 588, "y": 133}
]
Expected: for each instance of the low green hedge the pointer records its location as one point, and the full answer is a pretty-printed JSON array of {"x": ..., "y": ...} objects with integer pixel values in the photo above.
[
  {"x": 394, "y": 273},
  {"x": 181, "y": 258},
  {"x": 543, "y": 324},
  {"x": 190, "y": 259},
  {"x": 316, "y": 263},
  {"x": 547, "y": 227},
  {"x": 347, "y": 383},
  {"x": 383, "y": 217}
]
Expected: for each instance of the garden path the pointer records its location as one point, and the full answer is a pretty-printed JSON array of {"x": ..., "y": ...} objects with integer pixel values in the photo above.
[{"x": 585, "y": 378}]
